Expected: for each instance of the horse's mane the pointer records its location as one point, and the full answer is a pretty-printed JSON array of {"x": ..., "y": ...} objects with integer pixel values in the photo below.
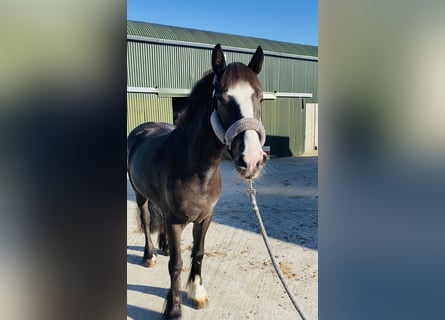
[
  {"x": 202, "y": 91},
  {"x": 198, "y": 98}
]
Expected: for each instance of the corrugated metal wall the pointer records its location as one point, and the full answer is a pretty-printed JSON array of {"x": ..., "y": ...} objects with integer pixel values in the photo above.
[
  {"x": 290, "y": 75},
  {"x": 167, "y": 66},
  {"x": 284, "y": 121},
  {"x": 143, "y": 107}
]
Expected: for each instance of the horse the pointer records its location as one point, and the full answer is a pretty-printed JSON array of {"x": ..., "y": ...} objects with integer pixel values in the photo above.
[{"x": 176, "y": 168}]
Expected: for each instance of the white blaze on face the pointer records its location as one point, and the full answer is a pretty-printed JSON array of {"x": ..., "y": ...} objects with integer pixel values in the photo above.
[{"x": 242, "y": 94}]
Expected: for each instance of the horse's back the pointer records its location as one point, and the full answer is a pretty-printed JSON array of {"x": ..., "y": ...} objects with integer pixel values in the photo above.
[{"x": 146, "y": 131}]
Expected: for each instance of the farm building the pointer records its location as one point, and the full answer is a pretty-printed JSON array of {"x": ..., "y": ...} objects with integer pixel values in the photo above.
[{"x": 164, "y": 62}]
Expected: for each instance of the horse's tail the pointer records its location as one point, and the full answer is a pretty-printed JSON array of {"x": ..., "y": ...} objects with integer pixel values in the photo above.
[
  {"x": 157, "y": 223},
  {"x": 138, "y": 228}
]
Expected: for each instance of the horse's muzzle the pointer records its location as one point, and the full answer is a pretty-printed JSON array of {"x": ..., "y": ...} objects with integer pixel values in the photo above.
[{"x": 250, "y": 168}]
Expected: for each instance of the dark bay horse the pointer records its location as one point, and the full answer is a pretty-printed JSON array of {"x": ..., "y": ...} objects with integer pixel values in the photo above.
[{"x": 176, "y": 169}]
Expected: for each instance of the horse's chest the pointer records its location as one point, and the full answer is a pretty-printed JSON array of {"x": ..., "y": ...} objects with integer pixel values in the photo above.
[{"x": 194, "y": 198}]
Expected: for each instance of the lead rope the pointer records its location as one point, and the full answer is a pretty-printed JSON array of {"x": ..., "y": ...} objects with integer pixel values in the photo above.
[{"x": 252, "y": 194}]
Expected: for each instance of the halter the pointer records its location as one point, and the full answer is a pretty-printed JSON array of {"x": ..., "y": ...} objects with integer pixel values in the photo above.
[{"x": 227, "y": 136}]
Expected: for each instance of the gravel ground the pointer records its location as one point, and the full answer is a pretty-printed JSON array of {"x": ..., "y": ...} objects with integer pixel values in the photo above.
[{"x": 237, "y": 271}]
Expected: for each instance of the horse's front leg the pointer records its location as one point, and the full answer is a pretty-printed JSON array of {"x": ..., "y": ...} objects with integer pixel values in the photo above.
[
  {"x": 173, "y": 308},
  {"x": 196, "y": 291}
]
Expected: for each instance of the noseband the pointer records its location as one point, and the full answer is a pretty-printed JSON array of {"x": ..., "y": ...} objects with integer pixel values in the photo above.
[{"x": 227, "y": 136}]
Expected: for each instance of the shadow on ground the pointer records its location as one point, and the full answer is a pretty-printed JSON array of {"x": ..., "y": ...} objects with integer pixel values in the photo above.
[
  {"x": 287, "y": 196},
  {"x": 137, "y": 313},
  {"x": 154, "y": 291}
]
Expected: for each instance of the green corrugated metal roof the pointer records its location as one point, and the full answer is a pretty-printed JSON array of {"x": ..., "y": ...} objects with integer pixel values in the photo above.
[{"x": 158, "y": 31}]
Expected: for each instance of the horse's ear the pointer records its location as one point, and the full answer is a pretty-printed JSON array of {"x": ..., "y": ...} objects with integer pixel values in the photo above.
[
  {"x": 218, "y": 60},
  {"x": 257, "y": 60}
]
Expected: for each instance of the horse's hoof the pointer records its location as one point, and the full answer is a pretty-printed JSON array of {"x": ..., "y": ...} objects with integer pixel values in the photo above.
[
  {"x": 166, "y": 252},
  {"x": 148, "y": 263},
  {"x": 198, "y": 294},
  {"x": 201, "y": 303},
  {"x": 173, "y": 315}
]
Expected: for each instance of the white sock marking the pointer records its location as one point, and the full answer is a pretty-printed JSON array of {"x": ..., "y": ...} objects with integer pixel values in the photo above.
[{"x": 197, "y": 293}]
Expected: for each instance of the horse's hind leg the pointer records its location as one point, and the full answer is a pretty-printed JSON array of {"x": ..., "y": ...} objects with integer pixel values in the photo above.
[
  {"x": 158, "y": 224},
  {"x": 196, "y": 292},
  {"x": 149, "y": 259}
]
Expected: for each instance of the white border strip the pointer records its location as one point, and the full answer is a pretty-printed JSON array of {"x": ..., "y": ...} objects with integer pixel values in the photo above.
[
  {"x": 142, "y": 90},
  {"x": 173, "y": 92},
  {"x": 210, "y": 46},
  {"x": 293, "y": 95}
]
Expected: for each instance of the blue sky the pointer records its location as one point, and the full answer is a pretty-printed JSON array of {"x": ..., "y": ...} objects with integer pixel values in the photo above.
[{"x": 293, "y": 21}]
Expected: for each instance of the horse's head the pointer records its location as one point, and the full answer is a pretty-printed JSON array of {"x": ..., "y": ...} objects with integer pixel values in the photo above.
[{"x": 237, "y": 101}]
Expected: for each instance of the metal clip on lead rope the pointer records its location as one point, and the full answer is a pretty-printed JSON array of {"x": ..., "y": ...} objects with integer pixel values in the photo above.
[{"x": 252, "y": 194}]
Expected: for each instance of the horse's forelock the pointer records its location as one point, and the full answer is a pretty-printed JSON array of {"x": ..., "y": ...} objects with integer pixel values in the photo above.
[{"x": 236, "y": 72}]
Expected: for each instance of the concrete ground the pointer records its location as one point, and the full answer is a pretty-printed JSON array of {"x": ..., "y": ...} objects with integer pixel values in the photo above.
[{"x": 237, "y": 272}]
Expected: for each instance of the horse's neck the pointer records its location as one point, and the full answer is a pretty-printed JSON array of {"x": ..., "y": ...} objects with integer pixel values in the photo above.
[{"x": 204, "y": 147}]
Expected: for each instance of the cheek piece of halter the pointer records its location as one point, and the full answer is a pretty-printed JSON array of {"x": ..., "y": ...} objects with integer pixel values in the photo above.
[{"x": 227, "y": 136}]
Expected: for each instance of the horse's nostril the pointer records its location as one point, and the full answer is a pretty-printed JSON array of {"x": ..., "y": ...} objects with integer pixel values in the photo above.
[
  {"x": 240, "y": 163},
  {"x": 264, "y": 158}
]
